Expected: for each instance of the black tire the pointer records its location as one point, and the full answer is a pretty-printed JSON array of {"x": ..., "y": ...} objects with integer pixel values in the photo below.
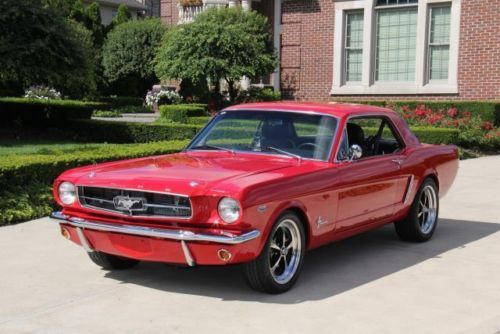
[
  {"x": 112, "y": 262},
  {"x": 259, "y": 273},
  {"x": 412, "y": 227}
]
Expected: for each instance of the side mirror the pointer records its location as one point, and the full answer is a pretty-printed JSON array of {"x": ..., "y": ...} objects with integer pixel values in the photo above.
[{"x": 355, "y": 152}]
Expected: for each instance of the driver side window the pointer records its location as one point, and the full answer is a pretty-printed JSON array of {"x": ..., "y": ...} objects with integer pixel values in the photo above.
[{"x": 374, "y": 134}]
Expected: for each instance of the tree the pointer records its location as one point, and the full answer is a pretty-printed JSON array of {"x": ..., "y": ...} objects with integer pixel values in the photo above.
[
  {"x": 224, "y": 44},
  {"x": 39, "y": 46},
  {"x": 128, "y": 55},
  {"x": 122, "y": 15}
]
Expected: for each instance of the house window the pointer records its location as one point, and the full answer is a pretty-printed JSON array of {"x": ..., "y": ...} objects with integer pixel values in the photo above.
[
  {"x": 353, "y": 46},
  {"x": 439, "y": 43},
  {"x": 396, "y": 43},
  {"x": 396, "y": 47},
  {"x": 395, "y": 2}
]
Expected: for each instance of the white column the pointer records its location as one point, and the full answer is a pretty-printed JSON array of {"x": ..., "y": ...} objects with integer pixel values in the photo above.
[
  {"x": 246, "y": 5},
  {"x": 232, "y": 3}
]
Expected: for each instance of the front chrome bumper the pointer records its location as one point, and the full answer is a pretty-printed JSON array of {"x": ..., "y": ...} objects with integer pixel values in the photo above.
[{"x": 180, "y": 235}]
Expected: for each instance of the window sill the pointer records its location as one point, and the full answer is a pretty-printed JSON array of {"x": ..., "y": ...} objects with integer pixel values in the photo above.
[{"x": 394, "y": 88}]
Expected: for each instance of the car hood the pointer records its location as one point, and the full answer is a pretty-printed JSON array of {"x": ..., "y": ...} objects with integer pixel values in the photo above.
[{"x": 188, "y": 173}]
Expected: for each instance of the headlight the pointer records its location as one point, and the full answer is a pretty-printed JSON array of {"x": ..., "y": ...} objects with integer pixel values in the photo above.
[
  {"x": 67, "y": 193},
  {"x": 229, "y": 210}
]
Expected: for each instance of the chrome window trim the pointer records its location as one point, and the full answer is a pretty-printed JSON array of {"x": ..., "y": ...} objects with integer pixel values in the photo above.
[
  {"x": 307, "y": 112},
  {"x": 393, "y": 127},
  {"x": 93, "y": 208}
]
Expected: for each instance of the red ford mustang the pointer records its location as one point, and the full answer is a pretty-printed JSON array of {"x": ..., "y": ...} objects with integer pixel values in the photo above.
[{"x": 259, "y": 185}]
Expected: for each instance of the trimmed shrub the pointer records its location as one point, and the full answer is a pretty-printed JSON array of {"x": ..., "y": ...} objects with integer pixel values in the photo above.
[
  {"x": 202, "y": 120},
  {"x": 436, "y": 135},
  {"x": 38, "y": 112},
  {"x": 257, "y": 94},
  {"x": 121, "y": 101},
  {"x": 95, "y": 131},
  {"x": 124, "y": 132},
  {"x": 180, "y": 112},
  {"x": 106, "y": 113},
  {"x": 134, "y": 110},
  {"x": 488, "y": 110},
  {"x": 26, "y": 180}
]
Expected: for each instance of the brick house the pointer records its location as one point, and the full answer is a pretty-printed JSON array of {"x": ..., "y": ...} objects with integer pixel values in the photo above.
[{"x": 375, "y": 49}]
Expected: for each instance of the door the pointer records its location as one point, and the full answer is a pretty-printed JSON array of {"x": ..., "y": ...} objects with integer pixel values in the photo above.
[{"x": 371, "y": 186}]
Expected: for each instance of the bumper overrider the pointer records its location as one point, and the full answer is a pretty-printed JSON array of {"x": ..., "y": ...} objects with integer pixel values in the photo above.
[{"x": 156, "y": 244}]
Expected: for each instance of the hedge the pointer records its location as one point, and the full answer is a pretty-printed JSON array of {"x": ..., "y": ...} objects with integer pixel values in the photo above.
[
  {"x": 94, "y": 131},
  {"x": 202, "y": 120},
  {"x": 26, "y": 180},
  {"x": 125, "y": 132},
  {"x": 121, "y": 101},
  {"x": 23, "y": 111},
  {"x": 180, "y": 112},
  {"x": 488, "y": 110}
]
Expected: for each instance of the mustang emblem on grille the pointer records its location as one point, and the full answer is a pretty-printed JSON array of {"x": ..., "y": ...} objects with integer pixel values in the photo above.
[{"x": 129, "y": 203}]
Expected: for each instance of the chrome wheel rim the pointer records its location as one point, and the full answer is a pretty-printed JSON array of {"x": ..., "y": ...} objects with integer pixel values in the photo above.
[
  {"x": 427, "y": 209},
  {"x": 285, "y": 251}
]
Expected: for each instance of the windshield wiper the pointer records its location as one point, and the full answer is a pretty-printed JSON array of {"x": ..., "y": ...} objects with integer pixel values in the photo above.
[
  {"x": 211, "y": 147},
  {"x": 290, "y": 154}
]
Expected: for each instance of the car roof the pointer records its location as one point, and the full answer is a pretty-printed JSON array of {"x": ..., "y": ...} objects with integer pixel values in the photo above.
[{"x": 333, "y": 108}]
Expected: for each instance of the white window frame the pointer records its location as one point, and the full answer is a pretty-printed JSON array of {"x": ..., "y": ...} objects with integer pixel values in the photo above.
[{"x": 368, "y": 85}]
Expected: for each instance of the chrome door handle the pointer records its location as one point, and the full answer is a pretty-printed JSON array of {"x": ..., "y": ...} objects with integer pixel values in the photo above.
[{"x": 398, "y": 161}]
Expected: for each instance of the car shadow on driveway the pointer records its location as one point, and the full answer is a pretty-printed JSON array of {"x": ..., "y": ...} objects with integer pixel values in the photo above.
[{"x": 327, "y": 271}]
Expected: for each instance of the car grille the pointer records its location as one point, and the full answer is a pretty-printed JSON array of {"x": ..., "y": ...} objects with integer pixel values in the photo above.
[{"x": 135, "y": 203}]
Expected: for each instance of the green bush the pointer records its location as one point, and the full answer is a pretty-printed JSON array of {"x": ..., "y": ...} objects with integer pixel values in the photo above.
[
  {"x": 106, "y": 113},
  {"x": 38, "y": 112},
  {"x": 436, "y": 135},
  {"x": 128, "y": 55},
  {"x": 124, "y": 132},
  {"x": 488, "y": 110},
  {"x": 257, "y": 94},
  {"x": 94, "y": 131},
  {"x": 121, "y": 101},
  {"x": 180, "y": 112},
  {"x": 134, "y": 110},
  {"x": 202, "y": 120},
  {"x": 26, "y": 180}
]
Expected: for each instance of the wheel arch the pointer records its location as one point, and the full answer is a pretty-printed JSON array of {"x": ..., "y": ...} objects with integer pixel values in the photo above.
[{"x": 297, "y": 208}]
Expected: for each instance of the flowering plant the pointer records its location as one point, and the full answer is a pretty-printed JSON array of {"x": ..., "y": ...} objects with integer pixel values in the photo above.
[
  {"x": 473, "y": 130},
  {"x": 42, "y": 92},
  {"x": 162, "y": 97}
]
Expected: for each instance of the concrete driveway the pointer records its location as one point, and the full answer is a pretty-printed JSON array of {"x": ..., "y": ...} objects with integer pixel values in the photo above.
[{"x": 372, "y": 283}]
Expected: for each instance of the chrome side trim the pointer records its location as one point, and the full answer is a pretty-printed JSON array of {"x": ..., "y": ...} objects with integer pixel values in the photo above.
[
  {"x": 187, "y": 254},
  {"x": 409, "y": 190},
  {"x": 83, "y": 240},
  {"x": 180, "y": 235}
]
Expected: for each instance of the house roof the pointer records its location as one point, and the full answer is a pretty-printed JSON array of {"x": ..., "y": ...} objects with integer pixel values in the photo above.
[{"x": 132, "y": 4}]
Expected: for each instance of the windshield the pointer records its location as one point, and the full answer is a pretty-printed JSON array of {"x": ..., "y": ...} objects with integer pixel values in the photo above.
[{"x": 274, "y": 132}]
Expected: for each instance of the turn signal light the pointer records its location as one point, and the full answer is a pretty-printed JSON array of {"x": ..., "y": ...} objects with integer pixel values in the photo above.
[
  {"x": 65, "y": 233},
  {"x": 224, "y": 255}
]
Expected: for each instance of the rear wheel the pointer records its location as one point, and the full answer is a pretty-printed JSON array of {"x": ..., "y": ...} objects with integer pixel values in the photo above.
[
  {"x": 278, "y": 267},
  {"x": 421, "y": 221},
  {"x": 112, "y": 262}
]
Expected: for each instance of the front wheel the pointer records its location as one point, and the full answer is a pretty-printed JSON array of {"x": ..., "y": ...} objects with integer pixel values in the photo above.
[
  {"x": 421, "y": 222},
  {"x": 278, "y": 266}
]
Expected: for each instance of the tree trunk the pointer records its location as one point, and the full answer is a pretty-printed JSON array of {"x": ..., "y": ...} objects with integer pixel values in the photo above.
[{"x": 232, "y": 91}]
